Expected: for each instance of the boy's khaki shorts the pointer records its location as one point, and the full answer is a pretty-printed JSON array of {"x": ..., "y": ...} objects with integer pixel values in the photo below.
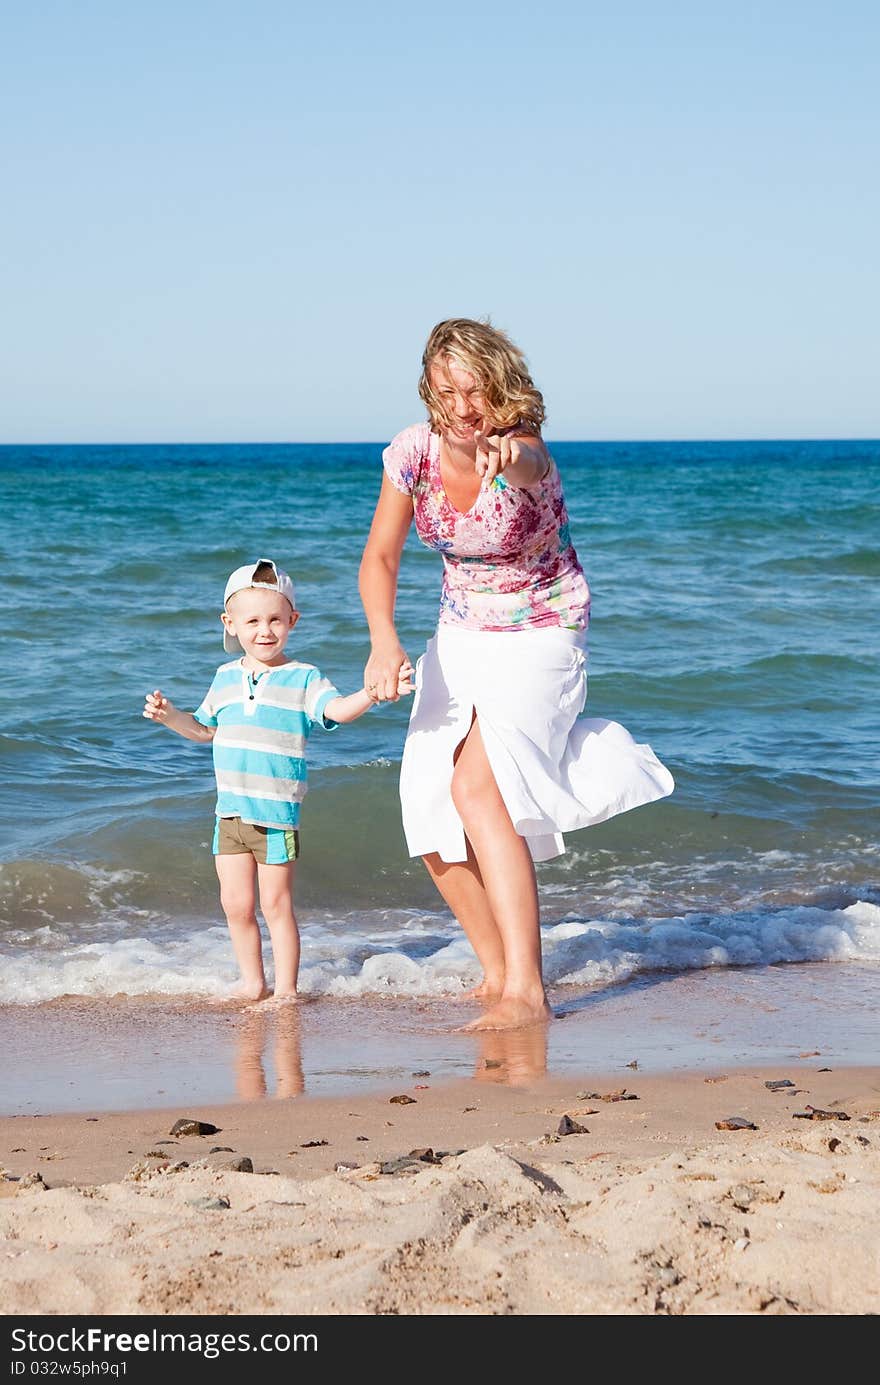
[{"x": 269, "y": 846}]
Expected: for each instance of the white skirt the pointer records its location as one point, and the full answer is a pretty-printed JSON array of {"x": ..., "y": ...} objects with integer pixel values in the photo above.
[{"x": 556, "y": 771}]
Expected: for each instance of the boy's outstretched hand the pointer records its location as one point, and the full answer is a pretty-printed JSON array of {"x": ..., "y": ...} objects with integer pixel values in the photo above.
[{"x": 157, "y": 706}]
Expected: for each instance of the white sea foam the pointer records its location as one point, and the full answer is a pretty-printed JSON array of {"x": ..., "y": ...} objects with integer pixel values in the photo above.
[{"x": 412, "y": 954}]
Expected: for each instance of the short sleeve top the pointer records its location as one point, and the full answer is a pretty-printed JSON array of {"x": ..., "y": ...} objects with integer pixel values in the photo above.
[
  {"x": 262, "y": 725},
  {"x": 508, "y": 561}
]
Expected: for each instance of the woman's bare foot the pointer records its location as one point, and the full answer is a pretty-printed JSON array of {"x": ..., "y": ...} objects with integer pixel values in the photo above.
[{"x": 513, "y": 1012}]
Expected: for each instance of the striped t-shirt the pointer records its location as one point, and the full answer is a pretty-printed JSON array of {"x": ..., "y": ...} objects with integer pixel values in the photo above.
[{"x": 263, "y": 724}]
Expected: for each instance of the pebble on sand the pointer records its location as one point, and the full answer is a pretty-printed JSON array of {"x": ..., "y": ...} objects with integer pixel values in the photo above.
[
  {"x": 815, "y": 1113},
  {"x": 567, "y": 1126},
  {"x": 187, "y": 1125},
  {"x": 735, "y": 1123},
  {"x": 621, "y": 1095}
]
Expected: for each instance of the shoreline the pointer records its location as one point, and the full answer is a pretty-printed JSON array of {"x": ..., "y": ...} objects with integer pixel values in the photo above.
[
  {"x": 651, "y": 1210},
  {"x": 81, "y": 1054}
]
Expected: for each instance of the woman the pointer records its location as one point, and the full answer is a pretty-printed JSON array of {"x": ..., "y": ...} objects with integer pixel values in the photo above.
[{"x": 496, "y": 764}]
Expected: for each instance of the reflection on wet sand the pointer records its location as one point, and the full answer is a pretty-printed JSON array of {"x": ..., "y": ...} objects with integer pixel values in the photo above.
[
  {"x": 512, "y": 1057},
  {"x": 257, "y": 1025}
]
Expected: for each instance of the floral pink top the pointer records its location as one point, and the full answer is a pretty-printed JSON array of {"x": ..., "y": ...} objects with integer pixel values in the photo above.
[{"x": 508, "y": 561}]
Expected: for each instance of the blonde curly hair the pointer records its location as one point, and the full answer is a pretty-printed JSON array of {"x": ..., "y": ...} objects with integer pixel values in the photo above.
[{"x": 497, "y": 365}]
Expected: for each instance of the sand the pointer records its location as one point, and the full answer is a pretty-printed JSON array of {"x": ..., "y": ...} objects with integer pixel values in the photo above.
[{"x": 652, "y": 1210}]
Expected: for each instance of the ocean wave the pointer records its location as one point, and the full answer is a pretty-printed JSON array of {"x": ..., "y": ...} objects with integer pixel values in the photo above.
[{"x": 410, "y": 954}]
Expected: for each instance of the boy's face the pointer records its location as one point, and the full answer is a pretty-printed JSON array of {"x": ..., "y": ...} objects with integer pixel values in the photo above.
[{"x": 261, "y": 621}]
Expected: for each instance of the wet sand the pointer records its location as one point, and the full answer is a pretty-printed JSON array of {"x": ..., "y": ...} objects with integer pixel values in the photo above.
[{"x": 115, "y": 1054}]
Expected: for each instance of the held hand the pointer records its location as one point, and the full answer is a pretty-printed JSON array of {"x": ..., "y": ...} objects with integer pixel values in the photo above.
[
  {"x": 405, "y": 680},
  {"x": 385, "y": 671},
  {"x": 157, "y": 706},
  {"x": 497, "y": 451}
]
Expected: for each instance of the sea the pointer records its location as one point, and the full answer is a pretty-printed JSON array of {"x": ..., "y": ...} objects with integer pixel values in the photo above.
[{"x": 736, "y": 623}]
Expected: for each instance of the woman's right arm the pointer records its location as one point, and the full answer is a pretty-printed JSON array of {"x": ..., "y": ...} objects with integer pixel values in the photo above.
[{"x": 380, "y": 565}]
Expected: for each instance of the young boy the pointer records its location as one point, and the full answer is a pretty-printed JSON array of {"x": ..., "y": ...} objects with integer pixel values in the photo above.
[{"x": 258, "y": 714}]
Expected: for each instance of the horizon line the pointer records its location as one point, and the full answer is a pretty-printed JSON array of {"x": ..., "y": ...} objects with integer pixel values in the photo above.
[{"x": 372, "y": 442}]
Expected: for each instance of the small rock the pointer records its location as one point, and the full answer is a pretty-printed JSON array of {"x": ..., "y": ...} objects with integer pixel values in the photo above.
[
  {"x": 863, "y": 1140},
  {"x": 239, "y": 1163},
  {"x": 32, "y": 1181},
  {"x": 567, "y": 1126},
  {"x": 313, "y": 1144},
  {"x": 777, "y": 1086},
  {"x": 187, "y": 1125},
  {"x": 621, "y": 1095},
  {"x": 423, "y": 1072},
  {"x": 834, "y": 1143},
  {"x": 209, "y": 1204},
  {"x": 364, "y": 1138},
  {"x": 155, "y": 1154},
  {"x": 425, "y": 1156},
  {"x": 668, "y": 1276},
  {"x": 742, "y": 1196},
  {"x": 360, "y": 1173},
  {"x": 815, "y": 1113},
  {"x": 491, "y": 1063},
  {"x": 403, "y": 1164},
  {"x": 221, "y": 1149},
  {"x": 345, "y": 1166},
  {"x": 715, "y": 1079},
  {"x": 735, "y": 1123},
  {"x": 402, "y": 1100}
]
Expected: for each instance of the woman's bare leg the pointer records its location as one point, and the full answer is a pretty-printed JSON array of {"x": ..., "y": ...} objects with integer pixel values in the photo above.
[
  {"x": 508, "y": 874},
  {"x": 461, "y": 885}
]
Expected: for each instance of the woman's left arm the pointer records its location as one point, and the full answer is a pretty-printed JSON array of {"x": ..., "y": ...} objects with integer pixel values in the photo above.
[{"x": 521, "y": 456}]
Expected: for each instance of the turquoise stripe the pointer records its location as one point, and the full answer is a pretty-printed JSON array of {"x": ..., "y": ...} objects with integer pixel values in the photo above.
[
  {"x": 215, "y": 845},
  {"x": 269, "y": 718},
  {"x": 262, "y": 762},
  {"x": 277, "y": 853},
  {"x": 326, "y": 697}
]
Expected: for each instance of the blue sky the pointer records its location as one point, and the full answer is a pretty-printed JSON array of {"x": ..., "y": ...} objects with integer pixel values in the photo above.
[{"x": 234, "y": 222}]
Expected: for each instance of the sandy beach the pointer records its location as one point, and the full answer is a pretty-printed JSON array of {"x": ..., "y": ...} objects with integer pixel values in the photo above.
[{"x": 463, "y": 1198}]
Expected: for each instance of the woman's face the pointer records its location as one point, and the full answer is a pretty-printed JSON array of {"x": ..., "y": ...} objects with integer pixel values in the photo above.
[{"x": 461, "y": 397}]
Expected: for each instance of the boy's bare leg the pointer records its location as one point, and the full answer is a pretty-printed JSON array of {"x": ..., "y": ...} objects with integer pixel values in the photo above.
[
  {"x": 509, "y": 875},
  {"x": 461, "y": 885},
  {"x": 276, "y": 903},
  {"x": 237, "y": 875}
]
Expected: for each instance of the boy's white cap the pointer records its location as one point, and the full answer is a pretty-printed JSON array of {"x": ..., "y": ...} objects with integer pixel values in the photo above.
[{"x": 242, "y": 579}]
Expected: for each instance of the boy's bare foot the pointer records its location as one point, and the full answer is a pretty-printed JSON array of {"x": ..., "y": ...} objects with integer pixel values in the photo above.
[
  {"x": 283, "y": 998},
  {"x": 249, "y": 990},
  {"x": 512, "y": 1013}
]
